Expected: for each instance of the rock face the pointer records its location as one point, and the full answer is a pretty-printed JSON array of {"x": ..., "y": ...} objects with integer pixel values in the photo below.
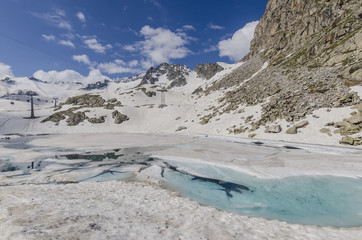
[
  {"x": 97, "y": 85},
  {"x": 314, "y": 52},
  {"x": 76, "y": 118},
  {"x": 35, "y": 79},
  {"x": 7, "y": 80},
  {"x": 95, "y": 120},
  {"x": 174, "y": 73},
  {"x": 119, "y": 117},
  {"x": 312, "y": 33},
  {"x": 207, "y": 70},
  {"x": 86, "y": 100}
]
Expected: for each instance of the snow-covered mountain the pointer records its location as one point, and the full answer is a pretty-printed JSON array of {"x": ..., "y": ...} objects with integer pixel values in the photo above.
[
  {"x": 167, "y": 75},
  {"x": 18, "y": 86}
]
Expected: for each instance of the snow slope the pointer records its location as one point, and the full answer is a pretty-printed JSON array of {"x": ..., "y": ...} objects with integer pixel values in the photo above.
[{"x": 184, "y": 110}]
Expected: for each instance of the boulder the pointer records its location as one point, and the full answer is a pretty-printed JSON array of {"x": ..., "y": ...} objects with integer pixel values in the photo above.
[
  {"x": 355, "y": 119},
  {"x": 273, "y": 129},
  {"x": 351, "y": 141},
  {"x": 301, "y": 124},
  {"x": 346, "y": 140},
  {"x": 119, "y": 117},
  {"x": 294, "y": 129},
  {"x": 252, "y": 135},
  {"x": 181, "y": 128}
]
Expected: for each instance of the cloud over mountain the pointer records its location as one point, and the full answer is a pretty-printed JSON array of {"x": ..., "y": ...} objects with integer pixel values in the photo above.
[{"x": 238, "y": 45}]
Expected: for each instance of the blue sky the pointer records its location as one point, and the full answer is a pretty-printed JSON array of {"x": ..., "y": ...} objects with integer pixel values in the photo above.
[{"x": 118, "y": 38}]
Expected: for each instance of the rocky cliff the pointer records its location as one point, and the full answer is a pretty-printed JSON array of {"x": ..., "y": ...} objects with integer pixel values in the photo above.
[
  {"x": 174, "y": 73},
  {"x": 313, "y": 34},
  {"x": 314, "y": 55},
  {"x": 207, "y": 70}
]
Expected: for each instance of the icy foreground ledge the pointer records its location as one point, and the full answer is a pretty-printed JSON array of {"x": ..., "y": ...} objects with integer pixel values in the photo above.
[
  {"x": 119, "y": 210},
  {"x": 146, "y": 210}
]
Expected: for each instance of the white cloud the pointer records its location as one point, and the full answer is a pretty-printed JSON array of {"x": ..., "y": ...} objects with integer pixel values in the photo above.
[
  {"x": 5, "y": 71},
  {"x": 66, "y": 43},
  {"x": 160, "y": 45},
  {"x": 133, "y": 63},
  {"x": 189, "y": 27},
  {"x": 130, "y": 48},
  {"x": 215, "y": 27},
  {"x": 81, "y": 17},
  {"x": 70, "y": 76},
  {"x": 210, "y": 49},
  {"x": 239, "y": 44},
  {"x": 119, "y": 66},
  {"x": 56, "y": 19},
  {"x": 93, "y": 44},
  {"x": 82, "y": 59},
  {"x": 48, "y": 37}
]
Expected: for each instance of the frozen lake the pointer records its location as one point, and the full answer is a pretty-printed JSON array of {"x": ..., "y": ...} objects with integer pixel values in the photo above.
[{"x": 234, "y": 184}]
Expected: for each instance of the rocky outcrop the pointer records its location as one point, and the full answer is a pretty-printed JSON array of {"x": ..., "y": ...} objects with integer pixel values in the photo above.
[
  {"x": 314, "y": 56},
  {"x": 174, "y": 73},
  {"x": 99, "y": 120},
  {"x": 312, "y": 33},
  {"x": 86, "y": 100},
  {"x": 148, "y": 93},
  {"x": 97, "y": 85},
  {"x": 56, "y": 118},
  {"x": 8, "y": 81},
  {"x": 207, "y": 70},
  {"x": 351, "y": 140},
  {"x": 76, "y": 118},
  {"x": 180, "y": 128},
  {"x": 119, "y": 117},
  {"x": 61, "y": 115},
  {"x": 35, "y": 79}
]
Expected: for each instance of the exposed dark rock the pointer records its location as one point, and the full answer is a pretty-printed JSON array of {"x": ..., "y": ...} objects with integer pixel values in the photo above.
[
  {"x": 35, "y": 79},
  {"x": 119, "y": 117},
  {"x": 197, "y": 90},
  {"x": 86, "y": 100},
  {"x": 27, "y": 92},
  {"x": 56, "y": 117},
  {"x": 207, "y": 70},
  {"x": 76, "y": 118},
  {"x": 148, "y": 93},
  {"x": 181, "y": 128},
  {"x": 252, "y": 135},
  {"x": 94, "y": 120},
  {"x": 7, "y": 80},
  {"x": 175, "y": 73},
  {"x": 97, "y": 85}
]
